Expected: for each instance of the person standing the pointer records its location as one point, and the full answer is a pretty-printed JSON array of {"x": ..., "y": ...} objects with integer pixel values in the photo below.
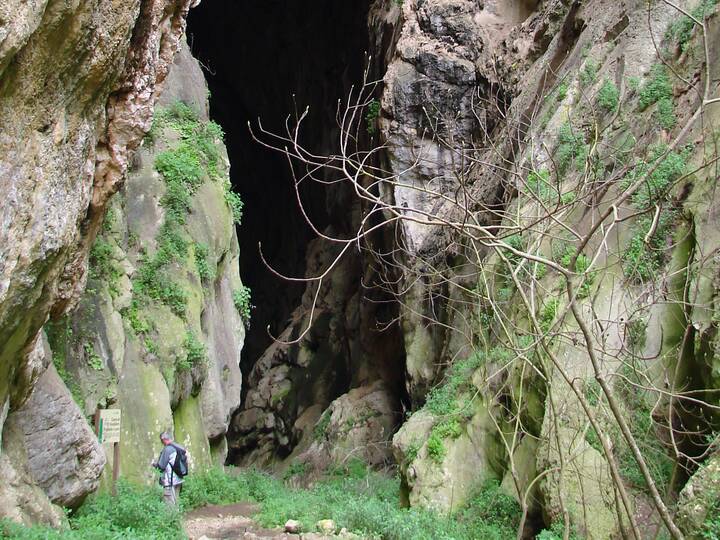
[{"x": 169, "y": 480}]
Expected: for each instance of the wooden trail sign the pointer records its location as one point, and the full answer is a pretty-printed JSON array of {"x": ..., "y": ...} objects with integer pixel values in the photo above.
[{"x": 107, "y": 428}]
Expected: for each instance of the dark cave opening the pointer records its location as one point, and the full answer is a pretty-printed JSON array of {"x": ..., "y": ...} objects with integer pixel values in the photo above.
[{"x": 268, "y": 60}]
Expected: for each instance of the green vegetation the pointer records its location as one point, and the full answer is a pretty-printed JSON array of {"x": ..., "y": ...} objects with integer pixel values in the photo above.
[
  {"x": 234, "y": 202},
  {"x": 242, "y": 299},
  {"x": 711, "y": 527},
  {"x": 649, "y": 441},
  {"x": 658, "y": 89},
  {"x": 571, "y": 148},
  {"x": 184, "y": 168},
  {"x": 446, "y": 402},
  {"x": 681, "y": 30},
  {"x": 92, "y": 358},
  {"x": 364, "y": 502},
  {"x": 206, "y": 271},
  {"x": 563, "y": 252},
  {"x": 60, "y": 334},
  {"x": 636, "y": 333},
  {"x": 562, "y": 91},
  {"x": 556, "y": 532},
  {"x": 548, "y": 314},
  {"x": 136, "y": 513},
  {"x": 373, "y": 113},
  {"x": 588, "y": 75},
  {"x": 102, "y": 265},
  {"x": 320, "y": 429},
  {"x": 540, "y": 185},
  {"x": 296, "y": 468},
  {"x": 195, "y": 353},
  {"x": 608, "y": 97},
  {"x": 641, "y": 259}
]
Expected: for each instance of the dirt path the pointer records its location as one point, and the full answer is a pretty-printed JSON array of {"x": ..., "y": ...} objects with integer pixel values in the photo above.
[{"x": 231, "y": 522}]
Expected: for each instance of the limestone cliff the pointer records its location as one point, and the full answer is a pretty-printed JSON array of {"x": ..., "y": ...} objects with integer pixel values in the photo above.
[
  {"x": 159, "y": 329},
  {"x": 532, "y": 118},
  {"x": 78, "y": 83}
]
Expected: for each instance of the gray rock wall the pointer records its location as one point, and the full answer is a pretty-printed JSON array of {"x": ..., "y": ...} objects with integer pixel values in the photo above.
[{"x": 77, "y": 86}]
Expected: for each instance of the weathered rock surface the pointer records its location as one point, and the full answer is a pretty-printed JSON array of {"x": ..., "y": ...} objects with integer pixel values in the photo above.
[
  {"x": 698, "y": 499},
  {"x": 166, "y": 365},
  {"x": 356, "y": 426},
  {"x": 50, "y": 454},
  {"x": 77, "y": 86}
]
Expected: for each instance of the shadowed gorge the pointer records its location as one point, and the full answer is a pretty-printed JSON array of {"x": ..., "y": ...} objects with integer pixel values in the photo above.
[{"x": 268, "y": 61}]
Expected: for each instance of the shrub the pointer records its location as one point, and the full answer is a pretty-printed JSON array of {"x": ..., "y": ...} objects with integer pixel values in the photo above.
[
  {"x": 642, "y": 259},
  {"x": 681, "y": 30},
  {"x": 102, "y": 265},
  {"x": 241, "y": 299},
  {"x": 539, "y": 184},
  {"x": 373, "y": 113},
  {"x": 195, "y": 352},
  {"x": 206, "y": 271},
  {"x": 562, "y": 91},
  {"x": 214, "y": 486},
  {"x": 136, "y": 513},
  {"x": 608, "y": 97},
  {"x": 588, "y": 75},
  {"x": 436, "y": 447},
  {"x": 235, "y": 203},
  {"x": 658, "y": 89},
  {"x": 548, "y": 314},
  {"x": 571, "y": 148},
  {"x": 320, "y": 429}
]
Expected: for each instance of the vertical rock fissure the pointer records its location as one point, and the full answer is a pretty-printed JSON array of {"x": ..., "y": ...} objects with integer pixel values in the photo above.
[{"x": 266, "y": 65}]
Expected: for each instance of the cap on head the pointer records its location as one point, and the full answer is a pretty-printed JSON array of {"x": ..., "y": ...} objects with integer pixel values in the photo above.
[{"x": 166, "y": 436}]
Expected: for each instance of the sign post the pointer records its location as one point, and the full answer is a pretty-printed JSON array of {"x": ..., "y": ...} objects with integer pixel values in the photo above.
[{"x": 107, "y": 424}]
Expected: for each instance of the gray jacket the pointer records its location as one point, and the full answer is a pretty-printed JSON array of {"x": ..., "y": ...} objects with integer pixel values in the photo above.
[{"x": 165, "y": 462}]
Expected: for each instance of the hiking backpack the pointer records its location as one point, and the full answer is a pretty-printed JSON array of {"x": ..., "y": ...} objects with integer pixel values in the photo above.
[{"x": 180, "y": 467}]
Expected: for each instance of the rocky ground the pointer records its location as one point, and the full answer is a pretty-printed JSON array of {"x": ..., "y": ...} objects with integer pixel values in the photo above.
[{"x": 230, "y": 522}]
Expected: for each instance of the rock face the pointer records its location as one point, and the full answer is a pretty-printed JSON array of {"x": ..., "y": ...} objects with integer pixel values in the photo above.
[
  {"x": 77, "y": 87},
  {"x": 356, "y": 426},
  {"x": 49, "y": 451},
  {"x": 479, "y": 98},
  {"x": 158, "y": 333}
]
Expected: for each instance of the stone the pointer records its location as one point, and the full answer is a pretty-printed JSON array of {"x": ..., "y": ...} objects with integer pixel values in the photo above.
[
  {"x": 64, "y": 456},
  {"x": 326, "y": 526},
  {"x": 698, "y": 497},
  {"x": 359, "y": 425},
  {"x": 292, "y": 526}
]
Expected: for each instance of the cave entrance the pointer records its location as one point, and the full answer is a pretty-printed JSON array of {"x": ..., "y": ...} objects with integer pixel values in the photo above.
[{"x": 267, "y": 60}]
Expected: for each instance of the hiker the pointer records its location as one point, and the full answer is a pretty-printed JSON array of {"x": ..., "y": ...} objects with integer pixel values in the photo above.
[{"x": 171, "y": 478}]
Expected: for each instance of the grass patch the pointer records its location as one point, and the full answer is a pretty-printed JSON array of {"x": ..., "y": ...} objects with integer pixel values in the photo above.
[
  {"x": 608, "y": 97},
  {"x": 136, "y": 513},
  {"x": 642, "y": 259},
  {"x": 658, "y": 89},
  {"x": 681, "y": 30},
  {"x": 571, "y": 149}
]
